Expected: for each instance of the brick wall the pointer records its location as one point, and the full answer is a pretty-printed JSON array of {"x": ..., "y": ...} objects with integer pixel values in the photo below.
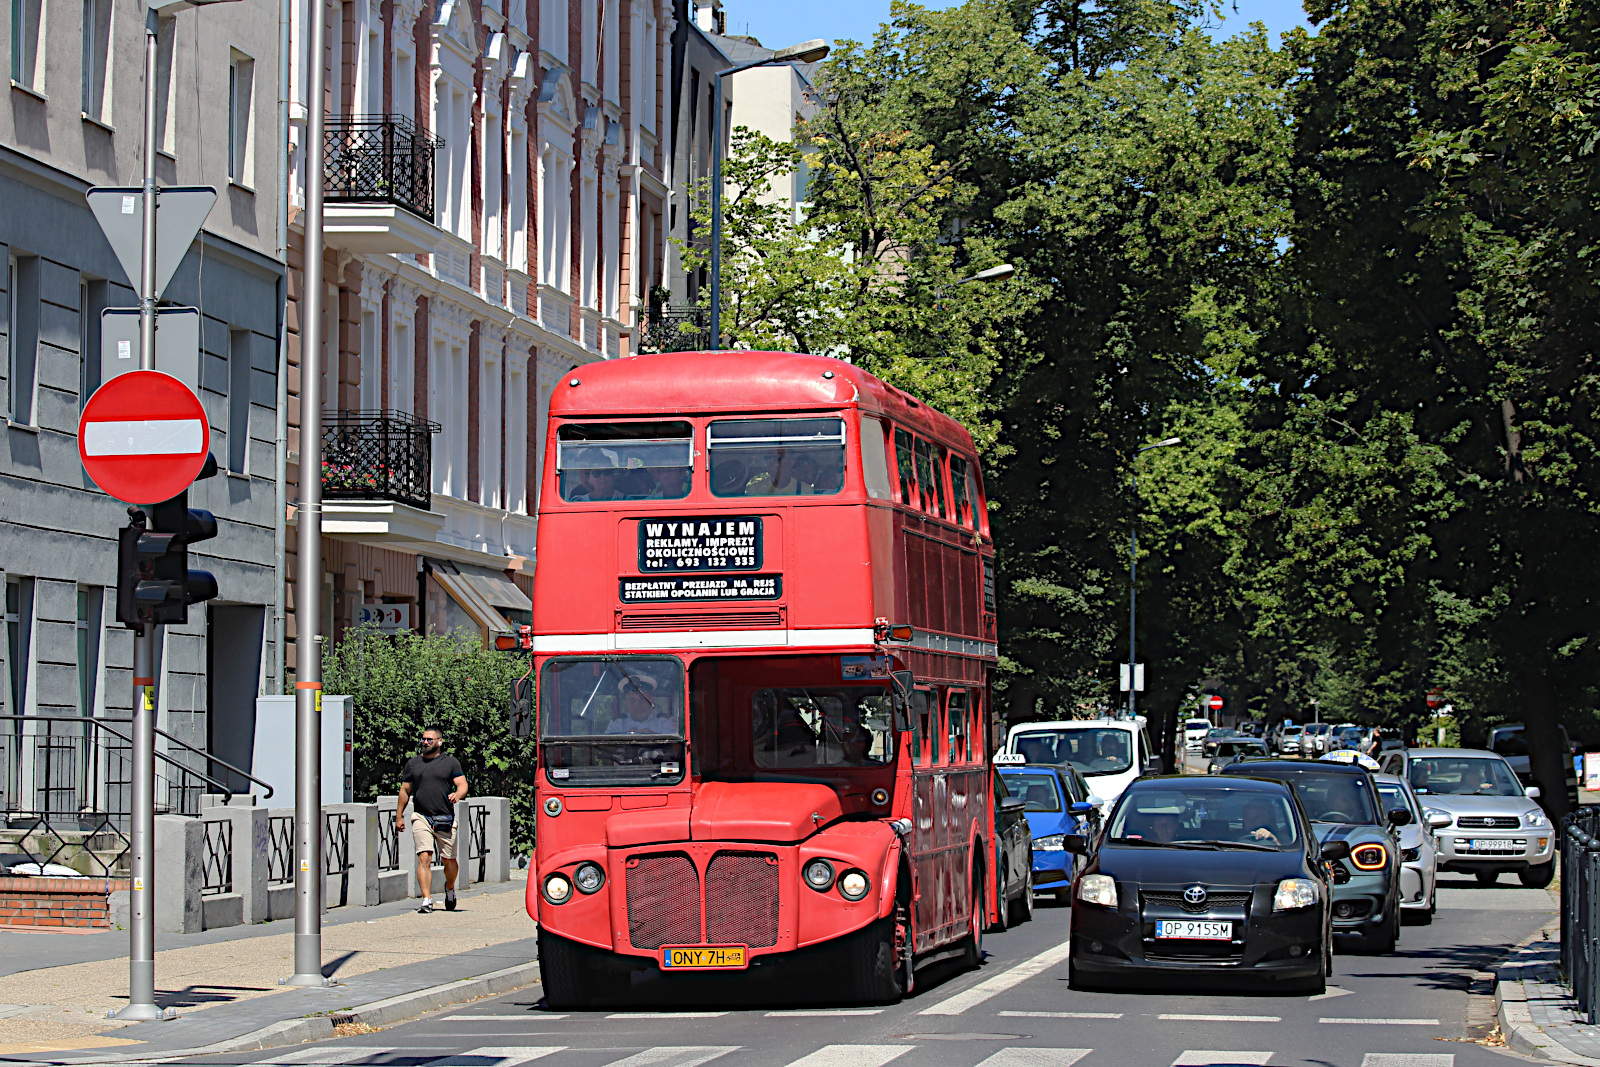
[{"x": 78, "y": 903}]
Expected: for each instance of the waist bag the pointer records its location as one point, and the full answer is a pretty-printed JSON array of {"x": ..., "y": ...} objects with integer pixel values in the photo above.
[{"x": 443, "y": 824}]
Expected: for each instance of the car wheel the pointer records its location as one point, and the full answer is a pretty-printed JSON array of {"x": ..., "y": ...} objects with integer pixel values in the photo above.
[
  {"x": 1486, "y": 877},
  {"x": 1382, "y": 944},
  {"x": 1538, "y": 877},
  {"x": 1025, "y": 905},
  {"x": 1003, "y": 912}
]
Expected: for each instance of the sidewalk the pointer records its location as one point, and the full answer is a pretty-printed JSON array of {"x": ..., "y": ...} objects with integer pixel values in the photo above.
[{"x": 55, "y": 989}]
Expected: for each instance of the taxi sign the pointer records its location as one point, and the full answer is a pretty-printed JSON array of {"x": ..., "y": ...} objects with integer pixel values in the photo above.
[
  {"x": 143, "y": 437},
  {"x": 1009, "y": 759}
]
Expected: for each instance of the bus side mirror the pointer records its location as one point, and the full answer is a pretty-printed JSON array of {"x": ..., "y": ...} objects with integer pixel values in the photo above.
[
  {"x": 904, "y": 683},
  {"x": 522, "y": 707}
]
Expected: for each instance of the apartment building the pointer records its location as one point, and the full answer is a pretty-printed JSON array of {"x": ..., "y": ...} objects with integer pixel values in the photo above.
[
  {"x": 497, "y": 203},
  {"x": 74, "y": 120}
]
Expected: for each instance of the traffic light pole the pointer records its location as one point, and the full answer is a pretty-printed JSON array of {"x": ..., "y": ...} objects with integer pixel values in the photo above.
[
  {"x": 308, "y": 876},
  {"x": 142, "y": 818}
]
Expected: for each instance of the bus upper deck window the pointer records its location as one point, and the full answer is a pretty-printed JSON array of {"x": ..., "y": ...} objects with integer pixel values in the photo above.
[
  {"x": 624, "y": 460},
  {"x": 961, "y": 489},
  {"x": 908, "y": 468},
  {"x": 776, "y": 457},
  {"x": 929, "y": 477}
]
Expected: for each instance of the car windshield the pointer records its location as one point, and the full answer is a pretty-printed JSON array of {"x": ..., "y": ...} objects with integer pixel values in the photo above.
[
  {"x": 1174, "y": 814},
  {"x": 1291, "y": 731},
  {"x": 1464, "y": 776},
  {"x": 1220, "y": 732},
  {"x": 1091, "y": 749},
  {"x": 1037, "y": 789},
  {"x": 822, "y": 726},
  {"x": 1327, "y": 795},
  {"x": 1240, "y": 748},
  {"x": 612, "y": 720},
  {"x": 1197, "y": 724}
]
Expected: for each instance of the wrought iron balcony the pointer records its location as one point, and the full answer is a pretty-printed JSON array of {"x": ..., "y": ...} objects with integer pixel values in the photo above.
[
  {"x": 377, "y": 455},
  {"x": 675, "y": 328},
  {"x": 380, "y": 158}
]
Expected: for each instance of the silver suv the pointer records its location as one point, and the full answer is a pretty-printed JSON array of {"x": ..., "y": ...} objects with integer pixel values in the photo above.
[{"x": 1494, "y": 824}]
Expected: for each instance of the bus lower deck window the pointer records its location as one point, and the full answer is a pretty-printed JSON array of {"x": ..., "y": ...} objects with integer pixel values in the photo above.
[
  {"x": 776, "y": 457},
  {"x": 834, "y": 726},
  {"x": 625, "y": 461}
]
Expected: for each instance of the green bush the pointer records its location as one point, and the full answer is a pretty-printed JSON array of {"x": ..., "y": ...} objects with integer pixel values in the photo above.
[{"x": 404, "y": 683}]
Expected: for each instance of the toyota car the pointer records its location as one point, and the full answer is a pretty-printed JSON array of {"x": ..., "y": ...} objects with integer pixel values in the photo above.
[{"x": 1204, "y": 878}]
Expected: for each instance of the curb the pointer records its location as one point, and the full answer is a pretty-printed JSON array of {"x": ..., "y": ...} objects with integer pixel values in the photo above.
[
  {"x": 1516, "y": 1021},
  {"x": 377, "y": 1013}
]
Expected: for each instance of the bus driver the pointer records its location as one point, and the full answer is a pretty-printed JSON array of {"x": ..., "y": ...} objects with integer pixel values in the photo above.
[{"x": 642, "y": 711}]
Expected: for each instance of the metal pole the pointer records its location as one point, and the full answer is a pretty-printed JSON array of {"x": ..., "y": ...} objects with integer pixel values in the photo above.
[
  {"x": 142, "y": 817},
  {"x": 1133, "y": 588},
  {"x": 715, "y": 343},
  {"x": 308, "y": 876}
]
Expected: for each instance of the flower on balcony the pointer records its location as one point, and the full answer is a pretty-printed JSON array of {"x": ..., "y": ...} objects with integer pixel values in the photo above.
[{"x": 351, "y": 476}]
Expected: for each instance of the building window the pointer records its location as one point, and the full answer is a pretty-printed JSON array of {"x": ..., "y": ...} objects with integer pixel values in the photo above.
[
  {"x": 166, "y": 118},
  {"x": 401, "y": 357},
  {"x": 27, "y": 31},
  {"x": 89, "y": 616},
  {"x": 19, "y": 611},
  {"x": 518, "y": 211},
  {"x": 241, "y": 88},
  {"x": 96, "y": 58},
  {"x": 239, "y": 401},
  {"x": 494, "y": 169},
  {"x": 405, "y": 85},
  {"x": 371, "y": 362},
  {"x": 22, "y": 289},
  {"x": 92, "y": 298},
  {"x": 516, "y": 440}
]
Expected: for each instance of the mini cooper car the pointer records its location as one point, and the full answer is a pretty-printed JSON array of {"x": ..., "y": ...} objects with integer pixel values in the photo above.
[
  {"x": 1213, "y": 879},
  {"x": 1050, "y": 801},
  {"x": 1343, "y": 806}
]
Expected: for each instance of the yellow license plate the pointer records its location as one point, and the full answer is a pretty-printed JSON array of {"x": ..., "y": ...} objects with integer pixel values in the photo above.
[{"x": 703, "y": 958}]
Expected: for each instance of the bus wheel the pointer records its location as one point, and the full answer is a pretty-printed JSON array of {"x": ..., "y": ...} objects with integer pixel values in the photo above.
[
  {"x": 875, "y": 973},
  {"x": 973, "y": 956},
  {"x": 574, "y": 975}
]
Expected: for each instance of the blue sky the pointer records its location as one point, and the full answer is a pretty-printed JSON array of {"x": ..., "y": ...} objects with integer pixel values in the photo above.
[{"x": 781, "y": 22}]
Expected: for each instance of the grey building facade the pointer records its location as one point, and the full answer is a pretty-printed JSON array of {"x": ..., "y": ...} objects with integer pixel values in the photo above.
[{"x": 73, "y": 120}]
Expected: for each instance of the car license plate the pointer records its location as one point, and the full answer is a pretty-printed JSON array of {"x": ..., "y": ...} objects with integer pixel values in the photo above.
[
  {"x": 1193, "y": 929},
  {"x": 703, "y": 958},
  {"x": 1491, "y": 844}
]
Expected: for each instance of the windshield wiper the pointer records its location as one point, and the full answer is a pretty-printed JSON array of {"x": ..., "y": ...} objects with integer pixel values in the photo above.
[
  {"x": 1253, "y": 846},
  {"x": 1190, "y": 845}
]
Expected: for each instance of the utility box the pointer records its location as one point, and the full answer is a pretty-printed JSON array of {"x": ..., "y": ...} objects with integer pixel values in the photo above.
[{"x": 273, "y": 757}]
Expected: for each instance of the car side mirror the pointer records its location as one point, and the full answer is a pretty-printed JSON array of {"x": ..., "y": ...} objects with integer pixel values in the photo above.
[
  {"x": 1531, "y": 792},
  {"x": 1399, "y": 817},
  {"x": 1080, "y": 807},
  {"x": 1439, "y": 819},
  {"x": 1334, "y": 850},
  {"x": 1077, "y": 844},
  {"x": 1010, "y": 804},
  {"x": 1098, "y": 802}
]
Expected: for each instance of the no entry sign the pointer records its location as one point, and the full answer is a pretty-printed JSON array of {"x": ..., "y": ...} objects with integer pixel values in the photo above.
[
  {"x": 143, "y": 437},
  {"x": 1214, "y": 702}
]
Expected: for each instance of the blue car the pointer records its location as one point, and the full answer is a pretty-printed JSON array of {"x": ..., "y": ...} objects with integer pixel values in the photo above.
[{"x": 1055, "y": 804}]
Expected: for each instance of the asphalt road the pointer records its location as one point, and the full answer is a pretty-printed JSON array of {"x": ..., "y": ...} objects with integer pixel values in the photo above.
[{"x": 1426, "y": 1006}]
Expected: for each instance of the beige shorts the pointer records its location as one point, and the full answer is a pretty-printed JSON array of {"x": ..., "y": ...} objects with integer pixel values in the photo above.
[{"x": 442, "y": 843}]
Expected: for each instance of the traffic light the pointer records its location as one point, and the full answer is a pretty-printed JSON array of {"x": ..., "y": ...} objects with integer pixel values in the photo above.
[{"x": 154, "y": 582}]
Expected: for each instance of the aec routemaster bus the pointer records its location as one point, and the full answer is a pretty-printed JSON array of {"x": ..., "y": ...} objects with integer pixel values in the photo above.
[{"x": 763, "y": 633}]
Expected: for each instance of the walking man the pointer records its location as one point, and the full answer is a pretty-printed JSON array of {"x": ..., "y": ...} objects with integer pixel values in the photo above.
[{"x": 434, "y": 780}]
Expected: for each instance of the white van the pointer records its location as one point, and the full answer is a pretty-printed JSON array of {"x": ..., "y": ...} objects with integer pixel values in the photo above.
[
  {"x": 1109, "y": 753},
  {"x": 1194, "y": 733}
]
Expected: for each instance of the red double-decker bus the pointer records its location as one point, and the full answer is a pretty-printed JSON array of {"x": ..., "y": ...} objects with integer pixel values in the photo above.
[{"x": 763, "y": 634}]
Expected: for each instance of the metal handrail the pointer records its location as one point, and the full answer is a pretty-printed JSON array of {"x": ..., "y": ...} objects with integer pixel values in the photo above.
[{"x": 103, "y": 724}]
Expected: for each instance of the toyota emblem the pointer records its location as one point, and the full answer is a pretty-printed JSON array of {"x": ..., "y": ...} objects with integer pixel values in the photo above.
[{"x": 1195, "y": 894}]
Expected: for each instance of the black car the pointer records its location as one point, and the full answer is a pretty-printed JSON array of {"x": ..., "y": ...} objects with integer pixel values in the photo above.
[
  {"x": 1013, "y": 847},
  {"x": 1343, "y": 806},
  {"x": 1206, "y": 878}
]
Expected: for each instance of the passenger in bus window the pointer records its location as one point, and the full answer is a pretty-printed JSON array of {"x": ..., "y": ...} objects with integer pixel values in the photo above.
[
  {"x": 668, "y": 483},
  {"x": 903, "y": 452}
]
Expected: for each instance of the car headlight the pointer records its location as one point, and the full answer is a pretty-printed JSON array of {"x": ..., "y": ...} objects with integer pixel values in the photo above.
[
  {"x": 557, "y": 889},
  {"x": 1411, "y": 855},
  {"x": 1369, "y": 857},
  {"x": 1050, "y": 843},
  {"x": 589, "y": 877},
  {"x": 818, "y": 875},
  {"x": 1535, "y": 819},
  {"x": 1098, "y": 889},
  {"x": 853, "y": 885},
  {"x": 1294, "y": 893}
]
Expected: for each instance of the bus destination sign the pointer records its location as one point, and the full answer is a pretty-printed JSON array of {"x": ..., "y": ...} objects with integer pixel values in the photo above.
[
  {"x": 700, "y": 543},
  {"x": 649, "y": 590}
]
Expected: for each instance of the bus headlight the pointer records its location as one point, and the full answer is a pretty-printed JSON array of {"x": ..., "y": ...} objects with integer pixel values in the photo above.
[
  {"x": 557, "y": 889},
  {"x": 589, "y": 878},
  {"x": 818, "y": 875},
  {"x": 1293, "y": 894},
  {"x": 1098, "y": 889},
  {"x": 853, "y": 885}
]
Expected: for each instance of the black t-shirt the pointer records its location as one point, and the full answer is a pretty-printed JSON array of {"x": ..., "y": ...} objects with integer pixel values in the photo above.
[{"x": 432, "y": 781}]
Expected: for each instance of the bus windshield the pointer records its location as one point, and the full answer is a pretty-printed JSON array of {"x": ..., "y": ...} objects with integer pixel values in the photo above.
[
  {"x": 834, "y": 726},
  {"x": 776, "y": 457},
  {"x": 612, "y": 720},
  {"x": 624, "y": 460}
]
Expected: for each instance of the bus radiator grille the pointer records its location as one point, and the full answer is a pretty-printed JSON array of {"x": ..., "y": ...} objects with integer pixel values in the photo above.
[
  {"x": 663, "y": 900},
  {"x": 742, "y": 899}
]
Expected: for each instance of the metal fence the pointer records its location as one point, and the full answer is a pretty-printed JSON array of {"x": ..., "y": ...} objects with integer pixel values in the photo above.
[
  {"x": 675, "y": 328},
  {"x": 388, "y": 841},
  {"x": 380, "y": 158},
  {"x": 216, "y": 862},
  {"x": 384, "y": 455},
  {"x": 281, "y": 849},
  {"x": 478, "y": 838},
  {"x": 1580, "y": 908}
]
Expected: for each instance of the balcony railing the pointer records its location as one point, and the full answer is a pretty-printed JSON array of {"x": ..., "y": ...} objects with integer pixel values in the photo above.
[
  {"x": 382, "y": 455},
  {"x": 675, "y": 328},
  {"x": 382, "y": 158}
]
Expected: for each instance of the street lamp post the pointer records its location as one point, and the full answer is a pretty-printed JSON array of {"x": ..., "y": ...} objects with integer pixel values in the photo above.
[
  {"x": 808, "y": 52},
  {"x": 1133, "y": 568}
]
